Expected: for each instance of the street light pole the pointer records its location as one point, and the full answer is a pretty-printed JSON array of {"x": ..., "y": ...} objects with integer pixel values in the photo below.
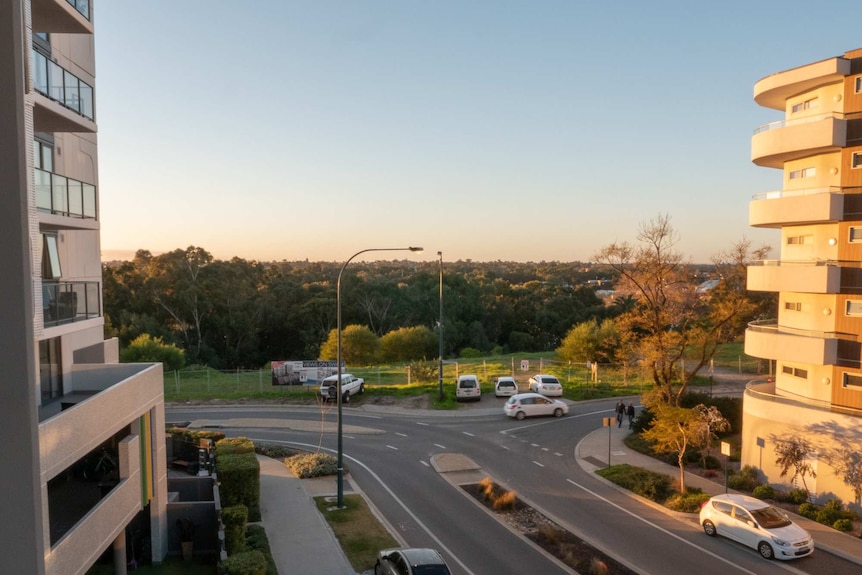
[
  {"x": 440, "y": 327},
  {"x": 340, "y": 468}
]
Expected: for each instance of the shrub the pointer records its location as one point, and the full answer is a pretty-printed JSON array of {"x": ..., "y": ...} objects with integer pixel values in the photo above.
[
  {"x": 808, "y": 510},
  {"x": 239, "y": 478},
  {"x": 745, "y": 480},
  {"x": 643, "y": 421},
  {"x": 797, "y": 496},
  {"x": 636, "y": 442},
  {"x": 234, "y": 446},
  {"x": 245, "y": 563},
  {"x": 505, "y": 500},
  {"x": 689, "y": 503},
  {"x": 487, "y": 487},
  {"x": 470, "y": 352},
  {"x": 273, "y": 450},
  {"x": 764, "y": 492},
  {"x": 710, "y": 462},
  {"x": 654, "y": 486},
  {"x": 305, "y": 465},
  {"x": 235, "y": 519},
  {"x": 843, "y": 525},
  {"x": 256, "y": 539},
  {"x": 832, "y": 511}
]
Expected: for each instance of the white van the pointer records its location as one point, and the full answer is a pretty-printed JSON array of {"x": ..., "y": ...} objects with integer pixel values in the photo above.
[{"x": 468, "y": 388}]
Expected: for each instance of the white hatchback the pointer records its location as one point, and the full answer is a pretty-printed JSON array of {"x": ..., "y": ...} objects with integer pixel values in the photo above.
[
  {"x": 529, "y": 404},
  {"x": 756, "y": 524}
]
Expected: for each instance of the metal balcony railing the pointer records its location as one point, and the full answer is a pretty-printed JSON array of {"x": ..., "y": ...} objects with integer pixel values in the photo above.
[
  {"x": 82, "y": 6},
  {"x": 64, "y": 196},
  {"x": 60, "y": 85},
  {"x": 67, "y": 302},
  {"x": 771, "y": 326}
]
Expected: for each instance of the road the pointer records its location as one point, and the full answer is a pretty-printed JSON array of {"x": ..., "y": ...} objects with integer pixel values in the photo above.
[{"x": 389, "y": 458}]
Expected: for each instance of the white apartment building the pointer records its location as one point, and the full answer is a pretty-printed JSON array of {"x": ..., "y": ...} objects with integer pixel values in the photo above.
[
  {"x": 816, "y": 341},
  {"x": 81, "y": 436}
]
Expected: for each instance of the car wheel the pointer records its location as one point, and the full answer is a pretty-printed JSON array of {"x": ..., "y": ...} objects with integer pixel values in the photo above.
[
  {"x": 558, "y": 412},
  {"x": 709, "y": 528},
  {"x": 361, "y": 389},
  {"x": 520, "y": 415},
  {"x": 765, "y": 550},
  {"x": 346, "y": 397}
]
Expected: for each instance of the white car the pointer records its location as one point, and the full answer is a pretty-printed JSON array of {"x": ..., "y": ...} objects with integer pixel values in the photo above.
[
  {"x": 410, "y": 562},
  {"x": 530, "y": 404},
  {"x": 467, "y": 387},
  {"x": 756, "y": 524},
  {"x": 546, "y": 385},
  {"x": 350, "y": 386},
  {"x": 505, "y": 386}
]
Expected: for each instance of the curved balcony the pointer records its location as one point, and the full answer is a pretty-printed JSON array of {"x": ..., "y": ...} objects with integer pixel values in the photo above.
[
  {"x": 774, "y": 90},
  {"x": 768, "y": 340},
  {"x": 812, "y": 276},
  {"x": 798, "y": 207},
  {"x": 778, "y": 142}
]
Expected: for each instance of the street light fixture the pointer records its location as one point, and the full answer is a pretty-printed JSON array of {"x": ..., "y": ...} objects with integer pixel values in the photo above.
[
  {"x": 338, "y": 359},
  {"x": 440, "y": 327}
]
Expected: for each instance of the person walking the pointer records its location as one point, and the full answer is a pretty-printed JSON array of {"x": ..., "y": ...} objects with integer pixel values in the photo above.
[
  {"x": 621, "y": 410},
  {"x": 630, "y": 412}
]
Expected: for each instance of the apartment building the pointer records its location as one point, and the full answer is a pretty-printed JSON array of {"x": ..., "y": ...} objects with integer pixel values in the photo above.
[
  {"x": 81, "y": 435},
  {"x": 815, "y": 342}
]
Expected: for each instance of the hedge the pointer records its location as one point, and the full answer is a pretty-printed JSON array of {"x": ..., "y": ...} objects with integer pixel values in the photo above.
[
  {"x": 234, "y": 446},
  {"x": 245, "y": 563},
  {"x": 235, "y": 519},
  {"x": 239, "y": 479}
]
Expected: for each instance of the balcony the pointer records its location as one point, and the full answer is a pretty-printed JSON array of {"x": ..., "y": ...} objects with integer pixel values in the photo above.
[
  {"x": 68, "y": 302},
  {"x": 768, "y": 340},
  {"x": 798, "y": 207},
  {"x": 774, "y": 90},
  {"x": 804, "y": 277},
  {"x": 774, "y": 144},
  {"x": 61, "y": 16},
  {"x": 68, "y": 103},
  {"x": 65, "y": 197}
]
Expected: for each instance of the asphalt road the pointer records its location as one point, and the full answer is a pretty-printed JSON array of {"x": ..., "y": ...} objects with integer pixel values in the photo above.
[{"x": 535, "y": 458}]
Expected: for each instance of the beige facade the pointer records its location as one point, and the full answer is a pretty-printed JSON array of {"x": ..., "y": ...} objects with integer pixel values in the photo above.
[
  {"x": 84, "y": 453},
  {"x": 816, "y": 341}
]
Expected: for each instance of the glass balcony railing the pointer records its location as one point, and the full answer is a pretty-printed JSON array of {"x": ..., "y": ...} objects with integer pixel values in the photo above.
[
  {"x": 771, "y": 326},
  {"x": 82, "y": 6},
  {"x": 778, "y": 194},
  {"x": 64, "y": 196},
  {"x": 62, "y": 86},
  {"x": 67, "y": 302},
  {"x": 807, "y": 119}
]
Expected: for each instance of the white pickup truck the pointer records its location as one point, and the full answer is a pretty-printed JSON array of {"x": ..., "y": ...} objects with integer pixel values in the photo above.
[{"x": 350, "y": 385}]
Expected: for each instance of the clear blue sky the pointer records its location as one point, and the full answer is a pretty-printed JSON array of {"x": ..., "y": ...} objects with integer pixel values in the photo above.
[{"x": 493, "y": 130}]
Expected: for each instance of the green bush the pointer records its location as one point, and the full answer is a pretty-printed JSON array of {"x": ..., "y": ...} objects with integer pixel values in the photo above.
[
  {"x": 764, "y": 492},
  {"x": 710, "y": 462},
  {"x": 654, "y": 486},
  {"x": 256, "y": 539},
  {"x": 245, "y": 563},
  {"x": 832, "y": 511},
  {"x": 234, "y": 446},
  {"x": 470, "y": 352},
  {"x": 636, "y": 442},
  {"x": 808, "y": 510},
  {"x": 274, "y": 450},
  {"x": 797, "y": 496},
  {"x": 643, "y": 421},
  {"x": 745, "y": 480},
  {"x": 235, "y": 519},
  {"x": 689, "y": 503},
  {"x": 239, "y": 478},
  {"x": 843, "y": 525},
  {"x": 306, "y": 465}
]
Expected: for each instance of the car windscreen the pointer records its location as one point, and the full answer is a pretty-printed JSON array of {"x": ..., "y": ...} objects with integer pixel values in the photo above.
[
  {"x": 550, "y": 380},
  {"x": 770, "y": 518},
  {"x": 467, "y": 383},
  {"x": 431, "y": 570}
]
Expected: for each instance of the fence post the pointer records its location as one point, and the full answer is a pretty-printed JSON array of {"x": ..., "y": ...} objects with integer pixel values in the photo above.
[
  {"x": 177, "y": 380},
  {"x": 237, "y": 379},
  {"x": 208, "y": 379},
  {"x": 260, "y": 380}
]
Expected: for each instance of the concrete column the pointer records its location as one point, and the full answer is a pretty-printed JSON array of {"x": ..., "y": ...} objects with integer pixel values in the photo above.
[
  {"x": 22, "y": 538},
  {"x": 120, "y": 553}
]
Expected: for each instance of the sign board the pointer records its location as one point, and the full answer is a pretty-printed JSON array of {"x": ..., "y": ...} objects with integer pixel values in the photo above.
[
  {"x": 525, "y": 365},
  {"x": 725, "y": 448},
  {"x": 302, "y": 372},
  {"x": 608, "y": 421}
]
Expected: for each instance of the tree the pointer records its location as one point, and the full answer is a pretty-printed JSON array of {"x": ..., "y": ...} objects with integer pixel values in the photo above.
[
  {"x": 408, "y": 343},
  {"x": 146, "y": 348},
  {"x": 672, "y": 330},
  {"x": 358, "y": 345},
  {"x": 794, "y": 452},
  {"x": 708, "y": 421},
  {"x": 673, "y": 429},
  {"x": 590, "y": 341}
]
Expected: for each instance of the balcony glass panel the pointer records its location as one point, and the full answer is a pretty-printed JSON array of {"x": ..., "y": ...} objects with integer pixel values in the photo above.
[
  {"x": 43, "y": 190},
  {"x": 62, "y": 86},
  {"x": 76, "y": 197},
  {"x": 89, "y": 199},
  {"x": 68, "y": 302},
  {"x": 82, "y": 6},
  {"x": 59, "y": 194}
]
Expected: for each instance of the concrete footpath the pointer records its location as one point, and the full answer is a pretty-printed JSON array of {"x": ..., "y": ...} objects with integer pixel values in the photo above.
[{"x": 592, "y": 454}]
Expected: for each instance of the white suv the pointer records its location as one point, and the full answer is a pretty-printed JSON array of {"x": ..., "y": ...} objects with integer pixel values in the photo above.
[
  {"x": 350, "y": 385},
  {"x": 468, "y": 387}
]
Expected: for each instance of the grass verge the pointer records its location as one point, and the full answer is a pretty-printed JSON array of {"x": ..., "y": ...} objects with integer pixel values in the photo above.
[{"x": 360, "y": 533}]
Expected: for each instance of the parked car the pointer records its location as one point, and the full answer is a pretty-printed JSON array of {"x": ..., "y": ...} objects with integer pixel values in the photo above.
[
  {"x": 505, "y": 386},
  {"x": 546, "y": 385},
  {"x": 410, "y": 562},
  {"x": 529, "y": 404},
  {"x": 756, "y": 524},
  {"x": 350, "y": 386},
  {"x": 467, "y": 387}
]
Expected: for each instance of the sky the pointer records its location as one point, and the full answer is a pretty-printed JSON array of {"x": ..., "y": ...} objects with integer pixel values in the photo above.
[{"x": 489, "y": 130}]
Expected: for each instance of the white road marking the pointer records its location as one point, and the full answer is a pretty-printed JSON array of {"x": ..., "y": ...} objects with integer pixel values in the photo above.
[
  {"x": 422, "y": 423},
  {"x": 348, "y": 436},
  {"x": 555, "y": 420},
  {"x": 537, "y": 463},
  {"x": 468, "y": 433},
  {"x": 504, "y": 447},
  {"x": 401, "y": 434},
  {"x": 425, "y": 463},
  {"x": 558, "y": 454},
  {"x": 534, "y": 445},
  {"x": 662, "y": 529},
  {"x": 440, "y": 446},
  {"x": 390, "y": 447},
  {"x": 545, "y": 449}
]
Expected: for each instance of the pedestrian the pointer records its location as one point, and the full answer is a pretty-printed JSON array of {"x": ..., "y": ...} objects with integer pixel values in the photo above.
[
  {"x": 630, "y": 412},
  {"x": 621, "y": 410}
]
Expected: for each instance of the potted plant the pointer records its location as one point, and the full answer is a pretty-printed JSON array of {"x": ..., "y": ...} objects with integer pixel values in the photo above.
[{"x": 187, "y": 536}]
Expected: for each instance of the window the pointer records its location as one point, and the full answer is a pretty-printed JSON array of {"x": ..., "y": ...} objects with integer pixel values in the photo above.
[
  {"x": 50, "y": 258},
  {"x": 795, "y": 371},
  {"x": 852, "y": 381},
  {"x": 793, "y": 305},
  {"x": 856, "y": 160},
  {"x": 799, "y": 240},
  {"x": 803, "y": 173},
  {"x": 859, "y": 84},
  {"x": 853, "y": 308},
  {"x": 806, "y": 105},
  {"x": 855, "y": 235}
]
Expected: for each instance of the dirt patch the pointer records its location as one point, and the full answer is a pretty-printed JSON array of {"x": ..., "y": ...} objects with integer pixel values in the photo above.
[{"x": 562, "y": 544}]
